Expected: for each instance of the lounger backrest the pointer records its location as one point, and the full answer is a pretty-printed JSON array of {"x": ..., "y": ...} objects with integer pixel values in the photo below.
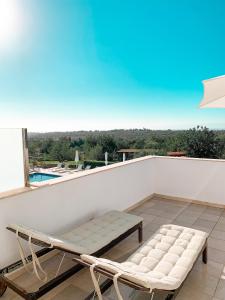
[
  {"x": 40, "y": 236},
  {"x": 52, "y": 240}
]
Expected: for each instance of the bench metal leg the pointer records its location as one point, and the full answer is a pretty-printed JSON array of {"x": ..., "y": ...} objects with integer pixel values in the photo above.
[
  {"x": 140, "y": 233},
  {"x": 172, "y": 294},
  {"x": 3, "y": 287},
  {"x": 205, "y": 255},
  {"x": 169, "y": 297}
]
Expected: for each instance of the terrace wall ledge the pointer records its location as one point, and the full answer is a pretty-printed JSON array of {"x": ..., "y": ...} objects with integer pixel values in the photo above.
[{"x": 80, "y": 174}]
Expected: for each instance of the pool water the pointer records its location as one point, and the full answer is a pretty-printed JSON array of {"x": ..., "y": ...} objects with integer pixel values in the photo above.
[{"x": 37, "y": 177}]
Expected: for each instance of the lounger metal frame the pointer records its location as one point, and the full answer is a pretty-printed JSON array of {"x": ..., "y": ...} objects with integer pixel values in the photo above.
[
  {"x": 6, "y": 282},
  {"x": 171, "y": 294}
]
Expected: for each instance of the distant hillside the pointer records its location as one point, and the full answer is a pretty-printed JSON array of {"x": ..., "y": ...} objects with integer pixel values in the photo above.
[{"x": 118, "y": 133}]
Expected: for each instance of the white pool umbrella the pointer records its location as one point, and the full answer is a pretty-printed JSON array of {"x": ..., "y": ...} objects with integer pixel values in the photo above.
[
  {"x": 76, "y": 157},
  {"x": 124, "y": 156},
  {"x": 106, "y": 158},
  {"x": 214, "y": 93}
]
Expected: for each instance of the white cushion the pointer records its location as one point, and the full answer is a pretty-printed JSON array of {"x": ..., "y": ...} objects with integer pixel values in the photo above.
[{"x": 163, "y": 262}]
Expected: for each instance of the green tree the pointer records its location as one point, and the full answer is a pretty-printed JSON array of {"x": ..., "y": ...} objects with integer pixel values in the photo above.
[
  {"x": 96, "y": 153},
  {"x": 203, "y": 143},
  {"x": 151, "y": 144},
  {"x": 176, "y": 143},
  {"x": 62, "y": 151},
  {"x": 107, "y": 143},
  {"x": 139, "y": 143}
]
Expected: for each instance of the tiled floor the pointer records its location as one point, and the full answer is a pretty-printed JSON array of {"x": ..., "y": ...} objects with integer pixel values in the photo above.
[{"x": 205, "y": 282}]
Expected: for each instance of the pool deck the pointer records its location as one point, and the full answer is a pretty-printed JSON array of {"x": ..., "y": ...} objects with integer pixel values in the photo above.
[{"x": 56, "y": 174}]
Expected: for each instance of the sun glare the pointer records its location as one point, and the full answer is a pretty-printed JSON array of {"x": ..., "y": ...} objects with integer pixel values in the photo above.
[{"x": 11, "y": 22}]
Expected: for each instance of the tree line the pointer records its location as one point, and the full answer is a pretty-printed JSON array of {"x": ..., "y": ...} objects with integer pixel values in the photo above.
[{"x": 197, "y": 142}]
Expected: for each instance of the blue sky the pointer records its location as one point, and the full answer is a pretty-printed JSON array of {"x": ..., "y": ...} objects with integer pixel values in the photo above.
[{"x": 103, "y": 64}]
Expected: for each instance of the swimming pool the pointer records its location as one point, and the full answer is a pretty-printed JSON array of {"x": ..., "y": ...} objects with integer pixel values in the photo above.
[{"x": 37, "y": 177}]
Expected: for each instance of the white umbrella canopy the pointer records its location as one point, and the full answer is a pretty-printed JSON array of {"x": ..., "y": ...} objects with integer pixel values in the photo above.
[
  {"x": 214, "y": 93},
  {"x": 76, "y": 156},
  {"x": 106, "y": 158}
]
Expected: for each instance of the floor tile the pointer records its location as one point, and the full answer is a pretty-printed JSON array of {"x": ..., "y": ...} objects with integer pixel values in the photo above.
[
  {"x": 186, "y": 218},
  {"x": 220, "y": 227},
  {"x": 211, "y": 268},
  {"x": 161, "y": 221},
  {"x": 71, "y": 293},
  {"x": 220, "y": 290},
  {"x": 147, "y": 218},
  {"x": 188, "y": 293},
  {"x": 185, "y": 223},
  {"x": 196, "y": 208},
  {"x": 152, "y": 227},
  {"x": 216, "y": 255},
  {"x": 209, "y": 217},
  {"x": 10, "y": 295},
  {"x": 218, "y": 234},
  {"x": 201, "y": 228},
  {"x": 154, "y": 212},
  {"x": 214, "y": 211},
  {"x": 205, "y": 223},
  {"x": 216, "y": 243},
  {"x": 202, "y": 282}
]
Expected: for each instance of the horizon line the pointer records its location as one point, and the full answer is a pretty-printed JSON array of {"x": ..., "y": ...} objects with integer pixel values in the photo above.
[{"x": 119, "y": 129}]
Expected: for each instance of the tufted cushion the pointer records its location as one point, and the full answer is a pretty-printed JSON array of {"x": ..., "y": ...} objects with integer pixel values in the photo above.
[
  {"x": 97, "y": 233},
  {"x": 163, "y": 262},
  {"x": 90, "y": 236}
]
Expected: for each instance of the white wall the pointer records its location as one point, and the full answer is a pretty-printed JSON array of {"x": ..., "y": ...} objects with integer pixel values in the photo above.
[
  {"x": 57, "y": 207},
  {"x": 11, "y": 159},
  {"x": 195, "y": 179}
]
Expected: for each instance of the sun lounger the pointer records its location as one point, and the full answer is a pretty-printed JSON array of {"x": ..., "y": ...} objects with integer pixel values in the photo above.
[
  {"x": 64, "y": 169},
  {"x": 94, "y": 237},
  {"x": 79, "y": 168},
  {"x": 57, "y": 168},
  {"x": 162, "y": 263}
]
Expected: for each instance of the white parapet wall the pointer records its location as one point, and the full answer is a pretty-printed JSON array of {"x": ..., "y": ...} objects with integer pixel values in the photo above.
[
  {"x": 12, "y": 159},
  {"x": 191, "y": 178},
  {"x": 65, "y": 202},
  {"x": 60, "y": 206}
]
